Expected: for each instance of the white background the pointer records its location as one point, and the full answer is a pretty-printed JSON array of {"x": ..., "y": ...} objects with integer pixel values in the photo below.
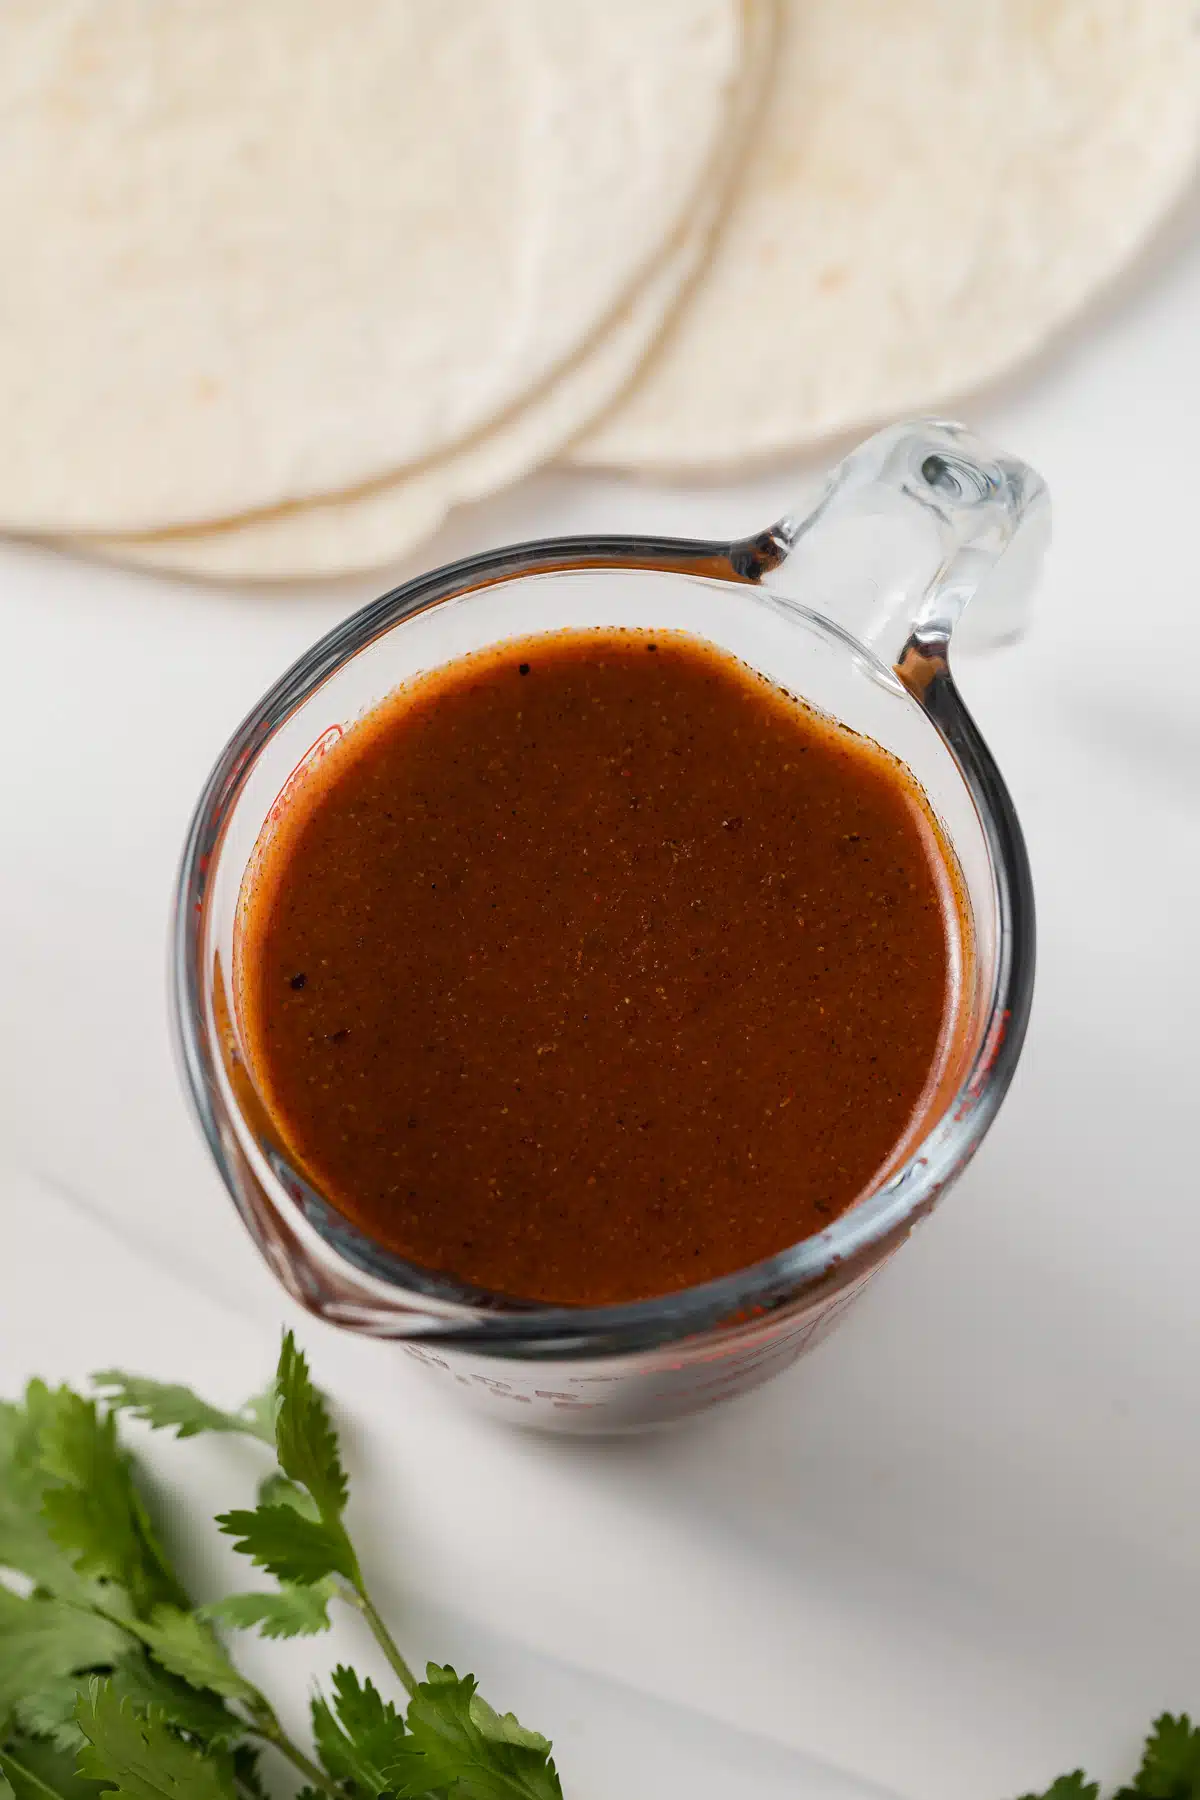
[{"x": 959, "y": 1548}]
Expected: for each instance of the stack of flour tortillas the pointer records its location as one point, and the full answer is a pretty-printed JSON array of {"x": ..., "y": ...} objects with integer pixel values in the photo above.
[{"x": 284, "y": 282}]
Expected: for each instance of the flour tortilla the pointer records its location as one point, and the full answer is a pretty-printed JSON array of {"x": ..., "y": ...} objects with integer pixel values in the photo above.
[
  {"x": 937, "y": 187},
  {"x": 353, "y": 532},
  {"x": 257, "y": 253}
]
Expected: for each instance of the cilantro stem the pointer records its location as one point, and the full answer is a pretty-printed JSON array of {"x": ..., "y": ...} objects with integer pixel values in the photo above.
[
  {"x": 383, "y": 1637},
  {"x": 27, "y": 1775}
]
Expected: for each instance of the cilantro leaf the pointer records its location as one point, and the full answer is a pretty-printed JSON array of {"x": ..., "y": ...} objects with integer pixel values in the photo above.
[
  {"x": 362, "y": 1709},
  {"x": 276, "y": 1490},
  {"x": 138, "y": 1755},
  {"x": 91, "y": 1507},
  {"x": 1075, "y": 1786},
  {"x": 14, "y": 1434},
  {"x": 6, "y": 1791},
  {"x": 196, "y": 1710},
  {"x": 187, "y": 1645},
  {"x": 165, "y": 1405},
  {"x": 305, "y": 1440},
  {"x": 41, "y": 1641},
  {"x": 290, "y": 1546},
  {"x": 25, "y": 1423},
  {"x": 260, "y": 1410},
  {"x": 37, "y": 1770},
  {"x": 21, "y": 1484},
  {"x": 367, "y": 1744},
  {"x": 292, "y": 1611},
  {"x": 27, "y": 1547},
  {"x": 25, "y": 1541},
  {"x": 465, "y": 1741},
  {"x": 49, "y": 1713},
  {"x": 1170, "y": 1762},
  {"x": 335, "y": 1749},
  {"x": 339, "y": 1755}
]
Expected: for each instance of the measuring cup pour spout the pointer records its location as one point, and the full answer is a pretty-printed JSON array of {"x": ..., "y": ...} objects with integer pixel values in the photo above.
[{"x": 913, "y": 525}]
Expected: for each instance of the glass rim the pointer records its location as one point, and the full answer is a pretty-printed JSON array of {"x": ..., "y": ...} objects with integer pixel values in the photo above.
[{"x": 444, "y": 1312}]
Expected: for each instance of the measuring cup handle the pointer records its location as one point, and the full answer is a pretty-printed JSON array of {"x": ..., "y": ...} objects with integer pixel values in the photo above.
[{"x": 919, "y": 521}]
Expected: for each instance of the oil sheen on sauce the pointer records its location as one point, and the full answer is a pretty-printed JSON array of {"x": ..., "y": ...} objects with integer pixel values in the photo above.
[{"x": 593, "y": 966}]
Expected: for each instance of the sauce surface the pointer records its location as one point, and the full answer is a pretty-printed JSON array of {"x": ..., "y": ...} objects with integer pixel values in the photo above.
[{"x": 593, "y": 966}]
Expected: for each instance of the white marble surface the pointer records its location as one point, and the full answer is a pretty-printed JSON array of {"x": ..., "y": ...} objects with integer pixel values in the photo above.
[{"x": 956, "y": 1550}]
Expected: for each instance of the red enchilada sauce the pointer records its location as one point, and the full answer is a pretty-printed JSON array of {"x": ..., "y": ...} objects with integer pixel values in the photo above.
[{"x": 593, "y": 966}]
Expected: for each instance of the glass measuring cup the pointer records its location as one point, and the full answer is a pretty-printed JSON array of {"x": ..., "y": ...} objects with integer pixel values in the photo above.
[{"x": 851, "y": 606}]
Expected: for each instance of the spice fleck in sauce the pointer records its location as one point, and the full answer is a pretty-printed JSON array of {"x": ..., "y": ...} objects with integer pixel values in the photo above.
[{"x": 593, "y": 966}]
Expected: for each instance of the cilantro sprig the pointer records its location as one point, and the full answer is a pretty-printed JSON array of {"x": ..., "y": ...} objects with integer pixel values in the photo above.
[
  {"x": 1170, "y": 1768},
  {"x": 165, "y": 1404},
  {"x": 114, "y": 1686}
]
